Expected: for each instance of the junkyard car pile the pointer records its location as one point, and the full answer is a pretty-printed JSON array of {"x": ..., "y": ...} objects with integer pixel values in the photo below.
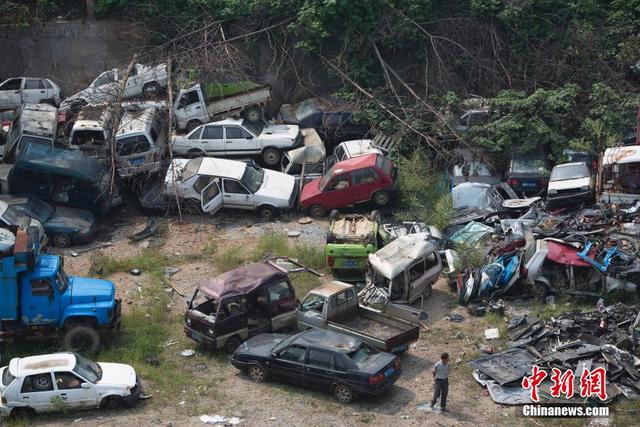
[{"x": 576, "y": 342}]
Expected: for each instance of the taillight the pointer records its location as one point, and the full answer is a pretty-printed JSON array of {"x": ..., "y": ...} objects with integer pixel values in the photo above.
[
  {"x": 512, "y": 182},
  {"x": 4, "y": 399},
  {"x": 376, "y": 379},
  {"x": 331, "y": 260},
  {"x": 525, "y": 272},
  {"x": 396, "y": 363}
]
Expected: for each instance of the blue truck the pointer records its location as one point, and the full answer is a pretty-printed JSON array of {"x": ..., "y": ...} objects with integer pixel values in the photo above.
[{"x": 39, "y": 300}]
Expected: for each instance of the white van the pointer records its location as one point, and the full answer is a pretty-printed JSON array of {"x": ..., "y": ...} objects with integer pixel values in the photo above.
[
  {"x": 141, "y": 141},
  {"x": 31, "y": 124},
  {"x": 91, "y": 130},
  {"x": 619, "y": 179}
]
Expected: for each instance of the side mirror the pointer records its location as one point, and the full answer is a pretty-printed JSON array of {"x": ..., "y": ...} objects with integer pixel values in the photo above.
[
  {"x": 86, "y": 385},
  {"x": 274, "y": 354}
]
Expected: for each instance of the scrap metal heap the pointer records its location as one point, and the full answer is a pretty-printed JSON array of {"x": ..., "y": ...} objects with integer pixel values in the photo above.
[{"x": 607, "y": 337}]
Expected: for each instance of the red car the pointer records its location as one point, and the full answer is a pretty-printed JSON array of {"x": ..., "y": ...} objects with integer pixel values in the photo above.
[{"x": 357, "y": 180}]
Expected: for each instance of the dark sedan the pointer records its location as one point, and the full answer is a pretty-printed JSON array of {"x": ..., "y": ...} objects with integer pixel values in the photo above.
[
  {"x": 64, "y": 226},
  {"x": 324, "y": 360},
  {"x": 528, "y": 175}
]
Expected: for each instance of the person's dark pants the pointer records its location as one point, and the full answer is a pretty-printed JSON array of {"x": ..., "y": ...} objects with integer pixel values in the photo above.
[{"x": 442, "y": 388}]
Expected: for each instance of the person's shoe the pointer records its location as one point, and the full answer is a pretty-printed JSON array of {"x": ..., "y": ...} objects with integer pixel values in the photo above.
[
  {"x": 431, "y": 405},
  {"x": 443, "y": 409}
]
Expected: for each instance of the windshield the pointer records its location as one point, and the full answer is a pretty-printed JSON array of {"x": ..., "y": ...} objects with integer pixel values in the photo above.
[
  {"x": 40, "y": 210},
  {"x": 13, "y": 216},
  {"x": 564, "y": 173},
  {"x": 313, "y": 302},
  {"x": 63, "y": 280},
  {"x": 470, "y": 196},
  {"x": 363, "y": 355},
  {"x": 7, "y": 378},
  {"x": 87, "y": 369},
  {"x": 191, "y": 168},
  {"x": 325, "y": 179},
  {"x": 529, "y": 165},
  {"x": 306, "y": 108},
  {"x": 252, "y": 178},
  {"x": 285, "y": 342},
  {"x": 254, "y": 127},
  {"x": 28, "y": 140},
  {"x": 472, "y": 168}
]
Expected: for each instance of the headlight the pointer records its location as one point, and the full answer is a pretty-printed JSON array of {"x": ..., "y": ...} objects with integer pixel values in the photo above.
[
  {"x": 584, "y": 188},
  {"x": 210, "y": 332},
  {"x": 553, "y": 191},
  {"x": 86, "y": 230},
  {"x": 188, "y": 321}
]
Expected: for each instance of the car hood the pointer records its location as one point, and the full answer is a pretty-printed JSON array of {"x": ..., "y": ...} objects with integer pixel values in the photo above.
[
  {"x": 66, "y": 219},
  {"x": 376, "y": 363},
  {"x": 88, "y": 94},
  {"x": 117, "y": 374},
  {"x": 276, "y": 187},
  {"x": 287, "y": 114},
  {"x": 87, "y": 291},
  {"x": 570, "y": 183},
  {"x": 260, "y": 345},
  {"x": 280, "y": 131},
  {"x": 310, "y": 191}
]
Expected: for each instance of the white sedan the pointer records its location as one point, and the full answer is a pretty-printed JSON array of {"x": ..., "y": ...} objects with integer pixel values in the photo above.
[{"x": 60, "y": 381}]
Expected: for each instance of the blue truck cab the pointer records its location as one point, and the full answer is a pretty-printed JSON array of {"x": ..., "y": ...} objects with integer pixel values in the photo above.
[{"x": 37, "y": 298}]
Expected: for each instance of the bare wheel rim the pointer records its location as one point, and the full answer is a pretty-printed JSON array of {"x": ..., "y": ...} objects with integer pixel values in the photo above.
[
  {"x": 253, "y": 115},
  {"x": 381, "y": 198},
  {"x": 61, "y": 240},
  {"x": 317, "y": 211},
  {"x": 256, "y": 373},
  {"x": 342, "y": 393},
  {"x": 42, "y": 382},
  {"x": 266, "y": 214},
  {"x": 271, "y": 157}
]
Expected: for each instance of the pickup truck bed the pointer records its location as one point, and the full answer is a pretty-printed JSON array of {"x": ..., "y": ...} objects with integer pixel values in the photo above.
[{"x": 372, "y": 327}]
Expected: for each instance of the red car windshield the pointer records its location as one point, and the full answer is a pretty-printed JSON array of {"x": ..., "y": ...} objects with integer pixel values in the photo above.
[
  {"x": 385, "y": 164},
  {"x": 325, "y": 179}
]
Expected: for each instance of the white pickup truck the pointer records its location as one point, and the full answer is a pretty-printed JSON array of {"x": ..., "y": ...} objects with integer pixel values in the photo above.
[
  {"x": 200, "y": 103},
  {"x": 105, "y": 87}
]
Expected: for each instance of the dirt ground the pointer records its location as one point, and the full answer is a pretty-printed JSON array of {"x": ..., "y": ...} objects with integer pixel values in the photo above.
[{"x": 213, "y": 386}]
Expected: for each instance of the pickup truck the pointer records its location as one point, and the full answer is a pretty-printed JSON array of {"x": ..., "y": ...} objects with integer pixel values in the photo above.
[
  {"x": 38, "y": 299},
  {"x": 334, "y": 306},
  {"x": 201, "y": 103}
]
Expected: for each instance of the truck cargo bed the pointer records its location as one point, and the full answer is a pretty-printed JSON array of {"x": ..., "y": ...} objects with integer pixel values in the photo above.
[{"x": 372, "y": 327}]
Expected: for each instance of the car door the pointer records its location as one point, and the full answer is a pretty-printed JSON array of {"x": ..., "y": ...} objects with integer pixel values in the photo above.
[
  {"x": 133, "y": 86},
  {"x": 33, "y": 91},
  {"x": 213, "y": 141},
  {"x": 363, "y": 184},
  {"x": 211, "y": 197},
  {"x": 318, "y": 370},
  {"x": 422, "y": 273},
  {"x": 190, "y": 106},
  {"x": 10, "y": 93},
  {"x": 69, "y": 389},
  {"x": 41, "y": 305},
  {"x": 231, "y": 318},
  {"x": 104, "y": 87},
  {"x": 37, "y": 392},
  {"x": 338, "y": 192},
  {"x": 236, "y": 195},
  {"x": 288, "y": 365},
  {"x": 239, "y": 142},
  {"x": 282, "y": 305}
]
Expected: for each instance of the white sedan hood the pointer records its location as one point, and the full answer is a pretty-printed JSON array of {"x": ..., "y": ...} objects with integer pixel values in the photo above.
[
  {"x": 568, "y": 184},
  {"x": 117, "y": 374},
  {"x": 276, "y": 189},
  {"x": 280, "y": 132}
]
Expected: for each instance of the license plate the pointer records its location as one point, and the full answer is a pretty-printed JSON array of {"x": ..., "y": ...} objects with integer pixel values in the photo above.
[
  {"x": 529, "y": 184},
  {"x": 389, "y": 372},
  {"x": 350, "y": 263},
  {"x": 137, "y": 161}
]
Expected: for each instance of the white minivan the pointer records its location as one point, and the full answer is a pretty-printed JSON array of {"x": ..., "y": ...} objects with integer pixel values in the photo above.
[{"x": 141, "y": 141}]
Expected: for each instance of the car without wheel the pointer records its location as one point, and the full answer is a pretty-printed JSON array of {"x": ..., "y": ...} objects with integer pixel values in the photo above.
[
  {"x": 570, "y": 184},
  {"x": 37, "y": 383},
  {"x": 28, "y": 90},
  {"x": 324, "y": 360}
]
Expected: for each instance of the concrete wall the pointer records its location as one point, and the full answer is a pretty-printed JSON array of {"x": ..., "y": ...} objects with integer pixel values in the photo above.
[{"x": 71, "y": 53}]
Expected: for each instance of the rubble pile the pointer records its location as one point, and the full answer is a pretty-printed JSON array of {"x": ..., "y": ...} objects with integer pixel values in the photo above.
[{"x": 606, "y": 337}]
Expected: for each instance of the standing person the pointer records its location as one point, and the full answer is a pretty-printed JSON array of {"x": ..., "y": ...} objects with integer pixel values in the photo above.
[{"x": 441, "y": 377}]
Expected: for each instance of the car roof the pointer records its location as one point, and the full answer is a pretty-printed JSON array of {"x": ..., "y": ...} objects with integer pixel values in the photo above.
[
  {"x": 398, "y": 255},
  {"x": 23, "y": 366},
  {"x": 229, "y": 121},
  {"x": 136, "y": 120},
  {"x": 630, "y": 154},
  {"x": 355, "y": 163},
  {"x": 359, "y": 147},
  {"x": 223, "y": 168},
  {"x": 566, "y": 165},
  {"x": 39, "y": 119},
  {"x": 331, "y": 288},
  {"x": 241, "y": 280},
  {"x": 329, "y": 340}
]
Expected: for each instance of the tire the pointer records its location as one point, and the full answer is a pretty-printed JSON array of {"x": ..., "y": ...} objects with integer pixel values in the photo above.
[
  {"x": 381, "y": 198},
  {"x": 428, "y": 291},
  {"x": 268, "y": 213},
  {"x": 271, "y": 156},
  {"x": 61, "y": 240},
  {"x": 192, "y": 207},
  {"x": 21, "y": 413},
  {"x": 42, "y": 382},
  {"x": 333, "y": 214},
  {"x": 112, "y": 402},
  {"x": 150, "y": 88},
  {"x": 257, "y": 373},
  {"x": 375, "y": 216},
  {"x": 253, "y": 114},
  {"x": 82, "y": 339},
  {"x": 231, "y": 345},
  {"x": 194, "y": 153},
  {"x": 342, "y": 393},
  {"x": 317, "y": 211},
  {"x": 192, "y": 125}
]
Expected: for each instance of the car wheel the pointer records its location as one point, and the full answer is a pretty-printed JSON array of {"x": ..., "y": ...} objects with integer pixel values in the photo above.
[
  {"x": 267, "y": 213},
  {"x": 150, "y": 88},
  {"x": 21, "y": 413},
  {"x": 195, "y": 153},
  {"x": 252, "y": 114},
  {"x": 257, "y": 373},
  {"x": 42, "y": 382},
  {"x": 61, "y": 240},
  {"x": 231, "y": 345},
  {"x": 381, "y": 198},
  {"x": 112, "y": 402},
  {"x": 82, "y": 339},
  {"x": 271, "y": 156},
  {"x": 317, "y": 211},
  {"x": 192, "y": 125},
  {"x": 342, "y": 393}
]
